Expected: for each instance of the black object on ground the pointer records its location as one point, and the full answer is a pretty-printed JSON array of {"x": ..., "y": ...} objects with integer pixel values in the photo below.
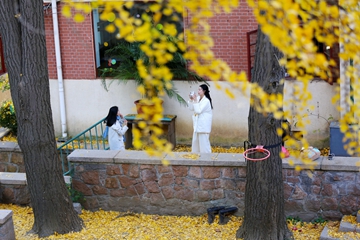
[
  {"x": 212, "y": 212},
  {"x": 223, "y": 214}
]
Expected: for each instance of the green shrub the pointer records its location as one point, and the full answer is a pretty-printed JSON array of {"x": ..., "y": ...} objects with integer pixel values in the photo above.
[
  {"x": 318, "y": 220},
  {"x": 8, "y": 117},
  {"x": 75, "y": 195},
  {"x": 294, "y": 220}
]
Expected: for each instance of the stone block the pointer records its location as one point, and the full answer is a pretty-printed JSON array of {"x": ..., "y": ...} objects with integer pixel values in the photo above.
[
  {"x": 228, "y": 172},
  {"x": 140, "y": 188},
  {"x": 191, "y": 183},
  {"x": 113, "y": 170},
  {"x": 126, "y": 181},
  {"x": 325, "y": 236},
  {"x": 229, "y": 159},
  {"x": 111, "y": 183},
  {"x": 77, "y": 208},
  {"x": 211, "y": 172},
  {"x": 346, "y": 227},
  {"x": 7, "y": 231},
  {"x": 195, "y": 172},
  {"x": 180, "y": 171},
  {"x": 12, "y": 168},
  {"x": 207, "y": 184},
  {"x": 4, "y": 157},
  {"x": 92, "y": 156},
  {"x": 17, "y": 158},
  {"x": 152, "y": 187},
  {"x": 340, "y": 164},
  {"x": 148, "y": 175},
  {"x": 166, "y": 180},
  {"x": 13, "y": 178},
  {"x": 91, "y": 177}
]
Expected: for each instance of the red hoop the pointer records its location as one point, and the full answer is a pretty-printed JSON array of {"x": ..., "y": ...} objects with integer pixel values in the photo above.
[{"x": 258, "y": 148}]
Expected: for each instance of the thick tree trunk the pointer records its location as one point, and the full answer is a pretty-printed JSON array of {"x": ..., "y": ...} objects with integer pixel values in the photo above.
[
  {"x": 264, "y": 216},
  {"x": 22, "y": 30}
]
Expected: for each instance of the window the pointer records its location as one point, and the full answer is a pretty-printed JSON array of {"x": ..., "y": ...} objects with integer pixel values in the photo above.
[
  {"x": 105, "y": 41},
  {"x": 2, "y": 62},
  {"x": 251, "y": 38}
]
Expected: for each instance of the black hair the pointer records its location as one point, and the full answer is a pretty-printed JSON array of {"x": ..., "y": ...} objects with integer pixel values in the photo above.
[
  {"x": 111, "y": 117},
  {"x": 206, "y": 90}
]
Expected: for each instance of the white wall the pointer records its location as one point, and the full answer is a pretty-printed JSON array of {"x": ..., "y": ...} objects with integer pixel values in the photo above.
[
  {"x": 87, "y": 102},
  {"x": 321, "y": 115}
]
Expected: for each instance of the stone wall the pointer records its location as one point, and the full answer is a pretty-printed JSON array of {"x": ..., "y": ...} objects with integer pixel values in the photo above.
[
  {"x": 133, "y": 181},
  {"x": 11, "y": 158}
]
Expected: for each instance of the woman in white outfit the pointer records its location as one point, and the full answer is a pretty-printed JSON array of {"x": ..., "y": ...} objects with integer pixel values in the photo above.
[
  {"x": 117, "y": 126},
  {"x": 202, "y": 119}
]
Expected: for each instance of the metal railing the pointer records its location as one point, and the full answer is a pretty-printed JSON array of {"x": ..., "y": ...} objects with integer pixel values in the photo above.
[{"x": 90, "y": 138}]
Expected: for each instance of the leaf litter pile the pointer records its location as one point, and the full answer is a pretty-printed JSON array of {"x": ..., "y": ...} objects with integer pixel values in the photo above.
[{"x": 115, "y": 225}]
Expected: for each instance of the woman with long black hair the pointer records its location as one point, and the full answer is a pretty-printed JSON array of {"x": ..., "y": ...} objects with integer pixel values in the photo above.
[
  {"x": 117, "y": 127},
  {"x": 202, "y": 119}
]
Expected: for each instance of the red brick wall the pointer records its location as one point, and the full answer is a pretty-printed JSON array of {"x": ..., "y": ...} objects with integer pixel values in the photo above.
[
  {"x": 229, "y": 34},
  {"x": 77, "y": 42},
  {"x": 77, "y": 46}
]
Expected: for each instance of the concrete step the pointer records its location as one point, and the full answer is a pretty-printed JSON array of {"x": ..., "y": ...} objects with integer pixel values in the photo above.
[
  {"x": 4, "y": 132},
  {"x": 343, "y": 228},
  {"x": 325, "y": 236}
]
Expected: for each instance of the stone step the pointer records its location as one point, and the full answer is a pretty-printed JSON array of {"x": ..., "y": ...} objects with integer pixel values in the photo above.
[
  {"x": 344, "y": 227},
  {"x": 325, "y": 236},
  {"x": 348, "y": 227},
  {"x": 4, "y": 132}
]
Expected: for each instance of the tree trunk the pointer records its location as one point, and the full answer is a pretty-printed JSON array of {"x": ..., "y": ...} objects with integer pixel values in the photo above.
[
  {"x": 264, "y": 216},
  {"x": 22, "y": 30}
]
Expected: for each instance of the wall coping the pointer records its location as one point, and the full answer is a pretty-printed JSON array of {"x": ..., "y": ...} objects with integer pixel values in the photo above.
[
  {"x": 178, "y": 159},
  {"x": 12, "y": 178},
  {"x": 205, "y": 159},
  {"x": 9, "y": 146},
  {"x": 5, "y": 215}
]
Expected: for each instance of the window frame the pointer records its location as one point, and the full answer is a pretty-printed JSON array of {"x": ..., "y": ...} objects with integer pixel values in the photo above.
[{"x": 2, "y": 58}]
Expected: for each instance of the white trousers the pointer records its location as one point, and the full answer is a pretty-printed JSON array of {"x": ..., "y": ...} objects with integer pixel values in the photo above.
[{"x": 201, "y": 143}]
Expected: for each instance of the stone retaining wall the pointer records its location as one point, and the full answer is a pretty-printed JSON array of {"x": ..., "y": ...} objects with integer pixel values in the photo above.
[
  {"x": 11, "y": 157},
  {"x": 133, "y": 181}
]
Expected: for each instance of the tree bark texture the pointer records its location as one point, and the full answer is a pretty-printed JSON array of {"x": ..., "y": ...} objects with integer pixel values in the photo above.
[
  {"x": 23, "y": 34},
  {"x": 264, "y": 216}
]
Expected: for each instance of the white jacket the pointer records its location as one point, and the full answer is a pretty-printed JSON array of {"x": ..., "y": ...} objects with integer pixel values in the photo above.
[
  {"x": 202, "y": 117},
  {"x": 116, "y": 136}
]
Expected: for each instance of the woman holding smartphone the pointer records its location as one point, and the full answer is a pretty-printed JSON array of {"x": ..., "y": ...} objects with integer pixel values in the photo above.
[{"x": 202, "y": 119}]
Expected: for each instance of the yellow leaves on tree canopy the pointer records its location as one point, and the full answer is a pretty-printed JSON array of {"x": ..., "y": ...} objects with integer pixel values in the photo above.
[{"x": 295, "y": 27}]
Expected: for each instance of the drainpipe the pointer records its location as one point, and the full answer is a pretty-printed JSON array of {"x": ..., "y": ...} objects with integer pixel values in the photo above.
[{"x": 59, "y": 70}]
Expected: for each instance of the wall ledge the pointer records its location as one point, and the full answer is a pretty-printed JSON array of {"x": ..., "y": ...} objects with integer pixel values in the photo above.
[
  {"x": 11, "y": 178},
  {"x": 205, "y": 159}
]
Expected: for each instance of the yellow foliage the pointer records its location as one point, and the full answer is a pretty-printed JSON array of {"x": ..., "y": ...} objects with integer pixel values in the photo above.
[
  {"x": 290, "y": 25},
  {"x": 128, "y": 225}
]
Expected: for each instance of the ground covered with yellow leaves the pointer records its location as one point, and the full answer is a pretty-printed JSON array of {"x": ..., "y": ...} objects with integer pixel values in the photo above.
[{"x": 115, "y": 225}]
